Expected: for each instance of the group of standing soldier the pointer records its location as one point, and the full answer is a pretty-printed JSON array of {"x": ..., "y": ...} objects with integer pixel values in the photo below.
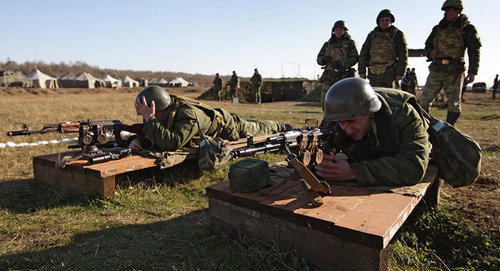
[
  {"x": 384, "y": 57},
  {"x": 234, "y": 85}
]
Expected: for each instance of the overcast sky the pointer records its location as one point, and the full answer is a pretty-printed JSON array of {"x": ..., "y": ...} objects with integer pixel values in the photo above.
[{"x": 280, "y": 37}]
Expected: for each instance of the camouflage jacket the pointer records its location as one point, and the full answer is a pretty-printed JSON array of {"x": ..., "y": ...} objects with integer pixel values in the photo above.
[
  {"x": 341, "y": 51},
  {"x": 463, "y": 35},
  {"x": 400, "y": 50},
  {"x": 256, "y": 80},
  {"x": 234, "y": 82},
  {"x": 178, "y": 126},
  {"x": 398, "y": 152}
]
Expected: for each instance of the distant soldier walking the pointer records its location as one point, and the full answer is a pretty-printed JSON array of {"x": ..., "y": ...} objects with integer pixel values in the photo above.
[
  {"x": 256, "y": 86},
  {"x": 234, "y": 85},
  {"x": 384, "y": 53},
  {"x": 337, "y": 56},
  {"x": 446, "y": 46},
  {"x": 218, "y": 86}
]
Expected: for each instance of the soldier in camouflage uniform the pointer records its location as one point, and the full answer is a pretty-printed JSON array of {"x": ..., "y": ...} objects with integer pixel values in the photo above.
[
  {"x": 386, "y": 139},
  {"x": 337, "y": 56},
  {"x": 256, "y": 86},
  {"x": 384, "y": 53},
  {"x": 170, "y": 122},
  {"x": 446, "y": 46},
  {"x": 234, "y": 85},
  {"x": 218, "y": 86}
]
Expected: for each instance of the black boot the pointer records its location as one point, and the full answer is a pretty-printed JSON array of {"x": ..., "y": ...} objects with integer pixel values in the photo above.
[{"x": 452, "y": 117}]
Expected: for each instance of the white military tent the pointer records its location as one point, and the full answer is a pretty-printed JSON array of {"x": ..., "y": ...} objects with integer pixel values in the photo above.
[
  {"x": 178, "y": 82},
  {"x": 111, "y": 82},
  {"x": 158, "y": 81},
  {"x": 41, "y": 80},
  {"x": 80, "y": 80},
  {"x": 129, "y": 82}
]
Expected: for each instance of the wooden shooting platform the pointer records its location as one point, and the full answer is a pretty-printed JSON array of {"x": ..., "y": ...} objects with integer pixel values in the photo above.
[
  {"x": 350, "y": 231},
  {"x": 101, "y": 179}
]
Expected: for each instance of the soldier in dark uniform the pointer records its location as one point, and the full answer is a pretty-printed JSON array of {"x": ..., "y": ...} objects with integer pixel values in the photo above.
[
  {"x": 234, "y": 85},
  {"x": 257, "y": 82},
  {"x": 337, "y": 56},
  {"x": 170, "y": 122},
  {"x": 446, "y": 47},
  {"x": 218, "y": 86},
  {"x": 384, "y": 53}
]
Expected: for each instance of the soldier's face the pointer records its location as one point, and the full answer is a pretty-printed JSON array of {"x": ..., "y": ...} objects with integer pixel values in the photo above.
[
  {"x": 385, "y": 22},
  {"x": 357, "y": 126},
  {"x": 451, "y": 14},
  {"x": 339, "y": 31}
]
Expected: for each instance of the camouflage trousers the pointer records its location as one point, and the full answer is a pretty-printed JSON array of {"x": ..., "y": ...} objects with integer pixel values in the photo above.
[
  {"x": 236, "y": 128},
  {"x": 256, "y": 94},
  {"x": 450, "y": 83},
  {"x": 233, "y": 92},
  {"x": 385, "y": 80},
  {"x": 219, "y": 94}
]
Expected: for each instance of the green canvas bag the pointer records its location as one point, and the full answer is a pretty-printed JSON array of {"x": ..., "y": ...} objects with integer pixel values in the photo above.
[{"x": 249, "y": 175}]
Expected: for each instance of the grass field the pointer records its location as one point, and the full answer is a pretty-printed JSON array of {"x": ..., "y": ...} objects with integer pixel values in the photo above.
[{"x": 158, "y": 221}]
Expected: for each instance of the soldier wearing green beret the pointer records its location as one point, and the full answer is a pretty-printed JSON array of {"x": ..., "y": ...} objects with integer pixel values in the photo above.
[
  {"x": 170, "y": 122},
  {"x": 384, "y": 53},
  {"x": 385, "y": 136},
  {"x": 445, "y": 47},
  {"x": 337, "y": 56}
]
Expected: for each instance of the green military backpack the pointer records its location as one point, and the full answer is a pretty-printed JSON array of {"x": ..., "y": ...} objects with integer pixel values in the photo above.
[{"x": 249, "y": 175}]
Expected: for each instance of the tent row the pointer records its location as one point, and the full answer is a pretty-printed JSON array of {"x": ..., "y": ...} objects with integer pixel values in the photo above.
[{"x": 86, "y": 80}]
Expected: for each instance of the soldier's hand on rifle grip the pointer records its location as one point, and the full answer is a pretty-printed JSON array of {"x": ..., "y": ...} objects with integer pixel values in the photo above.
[
  {"x": 335, "y": 169},
  {"x": 144, "y": 110}
]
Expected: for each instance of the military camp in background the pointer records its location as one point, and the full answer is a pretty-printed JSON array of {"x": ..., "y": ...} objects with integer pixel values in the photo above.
[
  {"x": 80, "y": 80},
  {"x": 272, "y": 90},
  {"x": 13, "y": 79},
  {"x": 41, "y": 80},
  {"x": 111, "y": 82},
  {"x": 128, "y": 82}
]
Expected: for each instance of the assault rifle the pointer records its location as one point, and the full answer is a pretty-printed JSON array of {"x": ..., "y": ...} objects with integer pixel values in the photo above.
[
  {"x": 304, "y": 148},
  {"x": 92, "y": 136}
]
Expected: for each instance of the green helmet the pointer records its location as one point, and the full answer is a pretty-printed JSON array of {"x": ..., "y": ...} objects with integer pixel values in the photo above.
[
  {"x": 340, "y": 23},
  {"x": 348, "y": 97},
  {"x": 458, "y": 4},
  {"x": 385, "y": 13},
  {"x": 157, "y": 94}
]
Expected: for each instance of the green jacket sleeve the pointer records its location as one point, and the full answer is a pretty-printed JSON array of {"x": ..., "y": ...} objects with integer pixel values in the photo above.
[
  {"x": 364, "y": 55},
  {"x": 429, "y": 46},
  {"x": 473, "y": 44},
  {"x": 401, "y": 53},
  {"x": 183, "y": 131},
  {"x": 321, "y": 55},
  {"x": 408, "y": 164},
  {"x": 352, "y": 56}
]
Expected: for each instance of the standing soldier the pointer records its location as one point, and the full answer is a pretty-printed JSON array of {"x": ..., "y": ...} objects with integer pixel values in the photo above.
[
  {"x": 446, "y": 46},
  {"x": 234, "y": 85},
  {"x": 337, "y": 56},
  {"x": 256, "y": 85},
  {"x": 413, "y": 83},
  {"x": 218, "y": 86},
  {"x": 384, "y": 53},
  {"x": 495, "y": 87}
]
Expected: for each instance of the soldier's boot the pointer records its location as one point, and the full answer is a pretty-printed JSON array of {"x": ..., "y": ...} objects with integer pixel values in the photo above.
[{"x": 452, "y": 117}]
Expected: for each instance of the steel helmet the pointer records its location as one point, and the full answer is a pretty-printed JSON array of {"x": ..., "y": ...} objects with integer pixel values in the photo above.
[
  {"x": 340, "y": 23},
  {"x": 348, "y": 97},
  {"x": 458, "y": 4},
  {"x": 157, "y": 94},
  {"x": 385, "y": 13}
]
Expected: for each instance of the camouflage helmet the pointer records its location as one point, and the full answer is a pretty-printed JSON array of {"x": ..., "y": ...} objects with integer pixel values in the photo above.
[
  {"x": 348, "y": 97},
  {"x": 157, "y": 94},
  {"x": 458, "y": 4},
  {"x": 340, "y": 23},
  {"x": 385, "y": 13}
]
